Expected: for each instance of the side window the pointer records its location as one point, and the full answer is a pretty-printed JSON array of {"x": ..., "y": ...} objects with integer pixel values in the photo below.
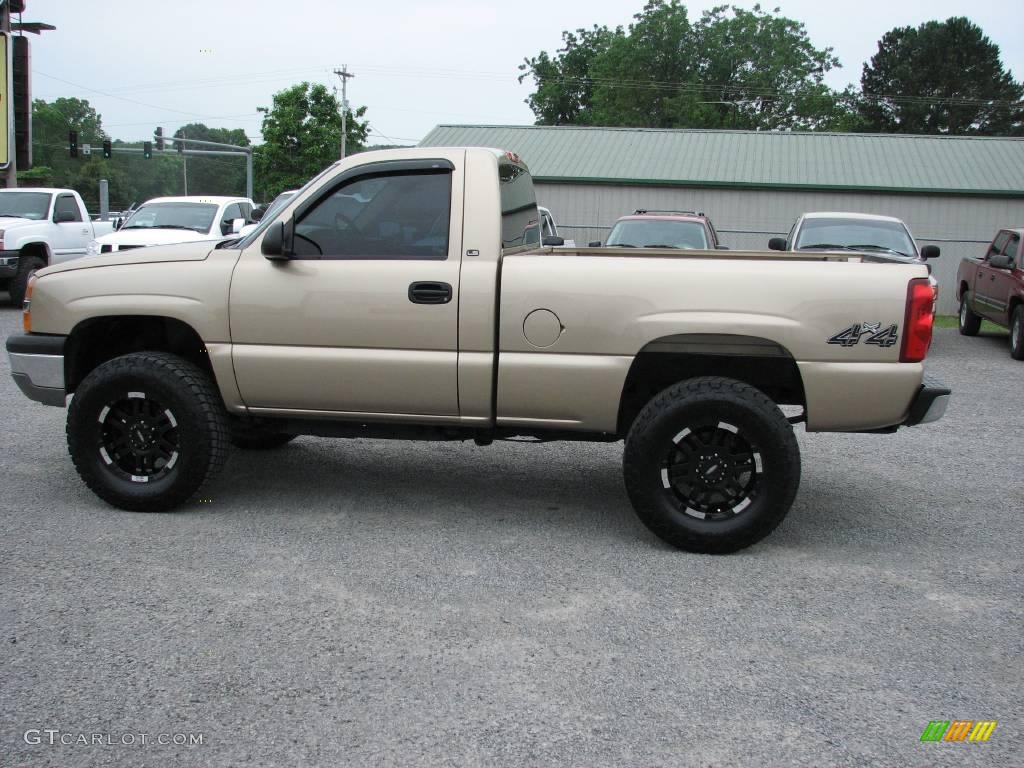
[
  {"x": 1012, "y": 247},
  {"x": 998, "y": 244},
  {"x": 66, "y": 204},
  {"x": 401, "y": 215},
  {"x": 520, "y": 220}
]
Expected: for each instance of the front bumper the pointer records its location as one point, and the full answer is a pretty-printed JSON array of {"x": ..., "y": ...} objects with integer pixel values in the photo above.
[
  {"x": 9, "y": 263},
  {"x": 37, "y": 366},
  {"x": 929, "y": 404}
]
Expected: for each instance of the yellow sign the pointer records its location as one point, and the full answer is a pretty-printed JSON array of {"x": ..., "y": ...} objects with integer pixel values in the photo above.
[{"x": 6, "y": 110}]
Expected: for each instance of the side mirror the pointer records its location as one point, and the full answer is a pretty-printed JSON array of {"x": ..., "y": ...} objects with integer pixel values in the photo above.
[
  {"x": 118, "y": 223},
  {"x": 274, "y": 245},
  {"x": 1000, "y": 261},
  {"x": 65, "y": 216},
  {"x": 257, "y": 213},
  {"x": 553, "y": 240},
  {"x": 930, "y": 252},
  {"x": 594, "y": 244},
  {"x": 777, "y": 244},
  {"x": 236, "y": 226}
]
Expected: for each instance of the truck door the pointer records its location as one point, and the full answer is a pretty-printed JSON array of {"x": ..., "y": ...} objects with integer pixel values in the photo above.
[
  {"x": 1001, "y": 281},
  {"x": 71, "y": 234},
  {"x": 985, "y": 302},
  {"x": 363, "y": 319}
]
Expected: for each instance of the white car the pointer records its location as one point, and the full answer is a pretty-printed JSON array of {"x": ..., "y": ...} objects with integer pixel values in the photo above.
[
  {"x": 165, "y": 220},
  {"x": 885, "y": 237}
]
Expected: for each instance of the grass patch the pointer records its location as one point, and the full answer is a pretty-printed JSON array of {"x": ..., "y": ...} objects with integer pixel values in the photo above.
[{"x": 952, "y": 321}]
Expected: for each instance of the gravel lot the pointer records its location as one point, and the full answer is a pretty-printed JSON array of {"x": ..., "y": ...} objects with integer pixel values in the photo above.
[{"x": 385, "y": 603}]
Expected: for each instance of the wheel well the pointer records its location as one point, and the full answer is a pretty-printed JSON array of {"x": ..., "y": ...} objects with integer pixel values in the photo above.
[
  {"x": 95, "y": 341},
  {"x": 36, "y": 249},
  {"x": 758, "y": 362},
  {"x": 964, "y": 288},
  {"x": 1015, "y": 302}
]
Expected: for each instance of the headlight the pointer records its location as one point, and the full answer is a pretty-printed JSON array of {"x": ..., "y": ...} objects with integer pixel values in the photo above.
[{"x": 92, "y": 249}]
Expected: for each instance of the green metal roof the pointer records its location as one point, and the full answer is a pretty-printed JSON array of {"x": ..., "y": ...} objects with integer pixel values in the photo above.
[{"x": 861, "y": 162}]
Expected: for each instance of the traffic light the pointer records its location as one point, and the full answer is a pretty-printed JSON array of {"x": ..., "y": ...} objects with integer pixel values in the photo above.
[
  {"x": 106, "y": 149},
  {"x": 73, "y": 143},
  {"x": 147, "y": 149},
  {"x": 160, "y": 139}
]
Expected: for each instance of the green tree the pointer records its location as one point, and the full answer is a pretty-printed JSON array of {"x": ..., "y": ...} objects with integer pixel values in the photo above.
[
  {"x": 943, "y": 77},
  {"x": 51, "y": 122},
  {"x": 219, "y": 175},
  {"x": 302, "y": 135},
  {"x": 732, "y": 68}
]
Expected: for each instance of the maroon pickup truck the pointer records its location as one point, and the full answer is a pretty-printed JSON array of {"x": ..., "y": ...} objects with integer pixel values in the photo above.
[{"x": 992, "y": 288}]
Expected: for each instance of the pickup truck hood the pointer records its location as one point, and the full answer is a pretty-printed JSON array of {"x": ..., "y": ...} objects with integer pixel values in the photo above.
[
  {"x": 8, "y": 222},
  {"x": 177, "y": 252},
  {"x": 154, "y": 236}
]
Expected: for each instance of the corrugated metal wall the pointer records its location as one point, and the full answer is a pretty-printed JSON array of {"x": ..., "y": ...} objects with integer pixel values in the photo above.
[{"x": 960, "y": 226}]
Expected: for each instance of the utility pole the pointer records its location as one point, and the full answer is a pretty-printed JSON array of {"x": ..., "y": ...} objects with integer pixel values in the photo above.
[
  {"x": 184, "y": 168},
  {"x": 344, "y": 74}
]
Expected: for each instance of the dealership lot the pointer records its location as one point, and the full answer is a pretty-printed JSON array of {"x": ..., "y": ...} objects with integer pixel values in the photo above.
[{"x": 384, "y": 603}]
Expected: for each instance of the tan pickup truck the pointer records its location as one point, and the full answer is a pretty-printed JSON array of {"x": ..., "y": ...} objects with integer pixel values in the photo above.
[{"x": 405, "y": 294}]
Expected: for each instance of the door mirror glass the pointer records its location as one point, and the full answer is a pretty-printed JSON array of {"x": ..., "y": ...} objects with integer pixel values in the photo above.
[
  {"x": 721, "y": 247},
  {"x": 552, "y": 240},
  {"x": 65, "y": 216},
  {"x": 594, "y": 244},
  {"x": 930, "y": 252},
  {"x": 777, "y": 244},
  {"x": 1000, "y": 261}
]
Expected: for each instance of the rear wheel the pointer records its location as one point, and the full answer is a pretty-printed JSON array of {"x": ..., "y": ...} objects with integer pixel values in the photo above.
[
  {"x": 711, "y": 465},
  {"x": 27, "y": 266},
  {"x": 970, "y": 323},
  {"x": 1017, "y": 333},
  {"x": 147, "y": 430}
]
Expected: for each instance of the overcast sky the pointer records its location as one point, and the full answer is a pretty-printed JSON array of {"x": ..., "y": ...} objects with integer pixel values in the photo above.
[{"x": 417, "y": 64}]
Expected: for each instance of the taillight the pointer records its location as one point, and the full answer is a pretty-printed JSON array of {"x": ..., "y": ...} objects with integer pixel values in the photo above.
[
  {"x": 26, "y": 306},
  {"x": 919, "y": 319}
]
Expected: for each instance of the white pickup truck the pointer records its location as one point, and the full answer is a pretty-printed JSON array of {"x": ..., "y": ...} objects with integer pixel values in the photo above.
[
  {"x": 167, "y": 220},
  {"x": 40, "y": 227}
]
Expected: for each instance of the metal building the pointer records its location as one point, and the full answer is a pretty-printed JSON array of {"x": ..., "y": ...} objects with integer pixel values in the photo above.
[{"x": 954, "y": 192}]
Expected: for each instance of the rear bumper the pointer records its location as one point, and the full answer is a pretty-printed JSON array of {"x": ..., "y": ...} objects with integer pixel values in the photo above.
[
  {"x": 9, "y": 263},
  {"x": 929, "y": 404},
  {"x": 37, "y": 366}
]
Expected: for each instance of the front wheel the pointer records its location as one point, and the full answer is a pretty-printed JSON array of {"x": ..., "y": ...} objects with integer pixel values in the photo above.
[
  {"x": 147, "y": 430},
  {"x": 18, "y": 287},
  {"x": 711, "y": 465},
  {"x": 1017, "y": 333},
  {"x": 970, "y": 323}
]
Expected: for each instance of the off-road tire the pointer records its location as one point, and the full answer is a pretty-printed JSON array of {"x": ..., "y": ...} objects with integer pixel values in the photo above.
[
  {"x": 1017, "y": 333},
  {"x": 194, "y": 417},
  {"x": 969, "y": 323},
  {"x": 27, "y": 265},
  {"x": 675, "y": 421},
  {"x": 256, "y": 437}
]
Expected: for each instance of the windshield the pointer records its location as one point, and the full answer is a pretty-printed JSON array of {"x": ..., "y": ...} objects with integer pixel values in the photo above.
[
  {"x": 862, "y": 234},
  {"x": 658, "y": 233},
  {"x": 195, "y": 216},
  {"x": 25, "y": 205}
]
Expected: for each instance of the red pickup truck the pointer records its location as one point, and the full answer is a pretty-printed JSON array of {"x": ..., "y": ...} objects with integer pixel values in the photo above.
[{"x": 992, "y": 288}]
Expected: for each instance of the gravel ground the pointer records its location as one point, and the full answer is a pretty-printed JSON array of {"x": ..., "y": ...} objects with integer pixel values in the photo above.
[{"x": 386, "y": 603}]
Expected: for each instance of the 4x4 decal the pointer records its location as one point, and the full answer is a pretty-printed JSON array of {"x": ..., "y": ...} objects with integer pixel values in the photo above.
[{"x": 850, "y": 337}]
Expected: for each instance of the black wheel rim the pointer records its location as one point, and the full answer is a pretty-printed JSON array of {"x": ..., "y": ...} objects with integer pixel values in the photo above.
[
  {"x": 712, "y": 471},
  {"x": 139, "y": 439}
]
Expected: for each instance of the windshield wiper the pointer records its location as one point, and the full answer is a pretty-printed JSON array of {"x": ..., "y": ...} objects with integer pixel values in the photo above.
[
  {"x": 879, "y": 248},
  {"x": 661, "y": 245},
  {"x": 829, "y": 246},
  {"x": 12, "y": 216},
  {"x": 161, "y": 226},
  {"x": 619, "y": 245}
]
